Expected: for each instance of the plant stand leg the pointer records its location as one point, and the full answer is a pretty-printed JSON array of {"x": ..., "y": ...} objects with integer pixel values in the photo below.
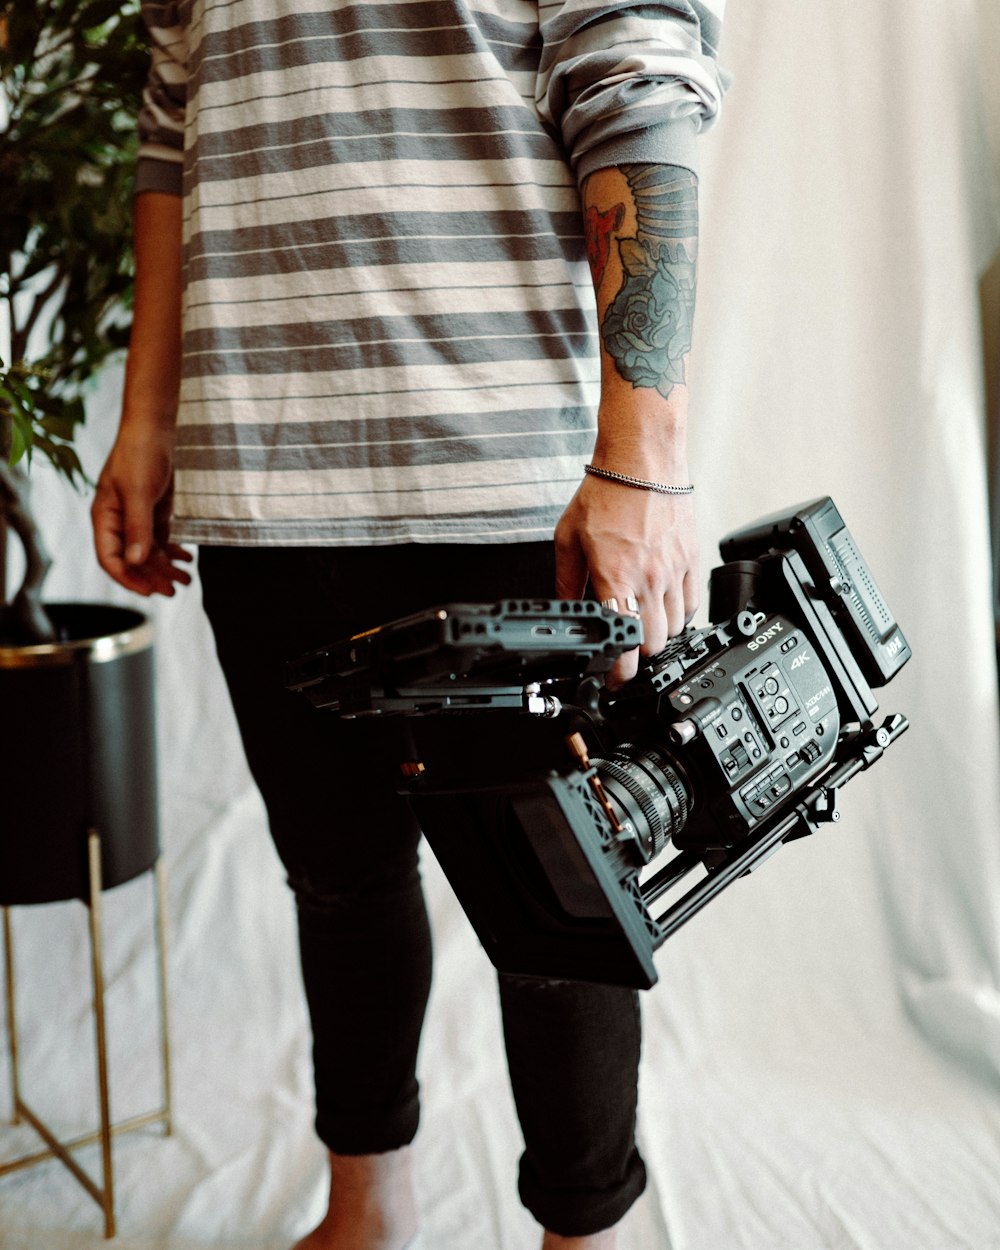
[
  {"x": 160, "y": 895},
  {"x": 107, "y": 1198},
  {"x": 8, "y": 959},
  {"x": 54, "y": 1148}
]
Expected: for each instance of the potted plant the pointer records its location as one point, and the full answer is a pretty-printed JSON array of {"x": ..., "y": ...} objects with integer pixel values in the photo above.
[
  {"x": 75, "y": 679},
  {"x": 72, "y": 75}
]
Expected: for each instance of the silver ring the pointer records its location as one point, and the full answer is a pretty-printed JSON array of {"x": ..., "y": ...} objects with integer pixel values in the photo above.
[
  {"x": 632, "y": 604},
  {"x": 611, "y": 604}
]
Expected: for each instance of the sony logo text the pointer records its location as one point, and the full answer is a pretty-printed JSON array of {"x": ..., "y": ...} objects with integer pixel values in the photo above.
[{"x": 764, "y": 637}]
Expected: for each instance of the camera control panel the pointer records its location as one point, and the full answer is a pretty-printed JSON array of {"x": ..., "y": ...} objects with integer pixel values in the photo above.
[{"x": 768, "y": 719}]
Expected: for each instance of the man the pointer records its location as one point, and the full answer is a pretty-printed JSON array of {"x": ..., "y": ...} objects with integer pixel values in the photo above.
[{"x": 362, "y": 378}]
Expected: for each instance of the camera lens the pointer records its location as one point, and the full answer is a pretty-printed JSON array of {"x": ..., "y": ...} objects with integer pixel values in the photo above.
[{"x": 649, "y": 791}]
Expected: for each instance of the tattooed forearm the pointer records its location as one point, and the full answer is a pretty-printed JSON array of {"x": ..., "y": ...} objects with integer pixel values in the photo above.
[
  {"x": 646, "y": 329},
  {"x": 598, "y": 229}
]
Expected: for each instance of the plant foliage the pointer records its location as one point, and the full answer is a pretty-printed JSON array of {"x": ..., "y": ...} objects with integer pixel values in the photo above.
[{"x": 72, "y": 76}]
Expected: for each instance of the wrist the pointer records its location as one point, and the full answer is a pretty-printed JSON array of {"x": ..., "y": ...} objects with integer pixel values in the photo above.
[
  {"x": 654, "y": 450},
  {"x": 640, "y": 483},
  {"x": 148, "y": 412}
]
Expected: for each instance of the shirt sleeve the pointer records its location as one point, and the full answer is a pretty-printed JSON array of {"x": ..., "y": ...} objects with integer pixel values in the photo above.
[
  {"x": 630, "y": 82},
  {"x": 161, "y": 119}
]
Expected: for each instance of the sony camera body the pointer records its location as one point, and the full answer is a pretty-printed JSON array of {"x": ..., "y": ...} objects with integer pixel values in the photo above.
[{"x": 549, "y": 799}]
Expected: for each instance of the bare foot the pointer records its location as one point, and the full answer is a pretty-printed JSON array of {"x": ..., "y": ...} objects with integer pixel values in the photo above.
[
  {"x": 372, "y": 1206},
  {"x": 606, "y": 1240}
]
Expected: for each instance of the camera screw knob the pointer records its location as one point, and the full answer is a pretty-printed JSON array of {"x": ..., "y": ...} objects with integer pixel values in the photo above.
[
  {"x": 538, "y": 704},
  {"x": 683, "y": 732}
]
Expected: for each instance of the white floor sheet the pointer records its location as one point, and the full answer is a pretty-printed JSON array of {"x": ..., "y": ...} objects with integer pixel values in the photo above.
[{"x": 822, "y": 1055}]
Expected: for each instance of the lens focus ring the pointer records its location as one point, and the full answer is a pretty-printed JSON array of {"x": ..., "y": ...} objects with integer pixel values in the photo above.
[
  {"x": 640, "y": 790},
  {"x": 648, "y": 788}
]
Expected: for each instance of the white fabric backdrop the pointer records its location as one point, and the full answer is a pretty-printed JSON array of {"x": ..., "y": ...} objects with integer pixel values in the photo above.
[{"x": 822, "y": 1063}]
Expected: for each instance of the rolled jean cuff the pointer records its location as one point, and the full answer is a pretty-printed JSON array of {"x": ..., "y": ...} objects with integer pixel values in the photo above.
[
  {"x": 584, "y": 1211},
  {"x": 368, "y": 1134}
]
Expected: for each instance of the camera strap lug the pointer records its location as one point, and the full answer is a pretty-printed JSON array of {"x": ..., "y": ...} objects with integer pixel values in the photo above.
[{"x": 823, "y": 806}]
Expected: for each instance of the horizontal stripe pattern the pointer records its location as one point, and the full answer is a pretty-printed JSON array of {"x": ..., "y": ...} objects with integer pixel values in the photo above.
[
  {"x": 388, "y": 317},
  {"x": 526, "y": 440}
]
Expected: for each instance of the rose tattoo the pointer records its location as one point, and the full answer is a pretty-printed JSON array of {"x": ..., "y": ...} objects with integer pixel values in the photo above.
[{"x": 647, "y": 328}]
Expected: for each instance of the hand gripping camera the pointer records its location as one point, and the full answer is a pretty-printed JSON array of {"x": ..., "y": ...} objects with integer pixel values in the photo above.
[{"x": 548, "y": 800}]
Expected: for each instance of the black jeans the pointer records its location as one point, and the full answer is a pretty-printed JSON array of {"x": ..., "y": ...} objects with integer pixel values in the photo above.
[{"x": 349, "y": 845}]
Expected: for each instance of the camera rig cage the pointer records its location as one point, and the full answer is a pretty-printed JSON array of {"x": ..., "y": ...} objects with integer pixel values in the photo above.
[{"x": 547, "y": 798}]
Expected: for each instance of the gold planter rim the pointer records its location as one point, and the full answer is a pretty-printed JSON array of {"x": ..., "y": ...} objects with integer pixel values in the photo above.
[{"x": 95, "y": 650}]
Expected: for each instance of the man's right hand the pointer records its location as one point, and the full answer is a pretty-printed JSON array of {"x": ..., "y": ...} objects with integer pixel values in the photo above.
[{"x": 131, "y": 514}]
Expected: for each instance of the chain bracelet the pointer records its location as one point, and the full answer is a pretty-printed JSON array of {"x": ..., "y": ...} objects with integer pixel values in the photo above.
[{"x": 638, "y": 482}]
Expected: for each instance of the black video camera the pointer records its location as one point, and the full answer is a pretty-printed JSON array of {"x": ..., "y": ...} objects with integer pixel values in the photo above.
[{"x": 545, "y": 796}]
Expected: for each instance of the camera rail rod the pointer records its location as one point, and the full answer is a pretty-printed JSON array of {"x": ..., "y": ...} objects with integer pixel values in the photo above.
[{"x": 817, "y": 806}]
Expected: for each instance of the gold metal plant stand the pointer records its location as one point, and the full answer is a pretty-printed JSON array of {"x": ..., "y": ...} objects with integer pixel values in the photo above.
[{"x": 102, "y": 1194}]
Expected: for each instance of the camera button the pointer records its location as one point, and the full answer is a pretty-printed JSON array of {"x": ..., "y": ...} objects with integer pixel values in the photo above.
[{"x": 737, "y": 713}]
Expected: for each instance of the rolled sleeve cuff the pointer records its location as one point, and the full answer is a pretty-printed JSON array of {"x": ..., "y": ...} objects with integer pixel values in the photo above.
[{"x": 673, "y": 142}]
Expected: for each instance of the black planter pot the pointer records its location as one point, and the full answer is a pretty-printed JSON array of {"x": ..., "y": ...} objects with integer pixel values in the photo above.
[{"x": 77, "y": 751}]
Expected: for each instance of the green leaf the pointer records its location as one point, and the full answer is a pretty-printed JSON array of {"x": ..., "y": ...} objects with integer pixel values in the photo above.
[
  {"x": 59, "y": 427},
  {"x": 19, "y": 447},
  {"x": 14, "y": 403},
  {"x": 68, "y": 463},
  {"x": 73, "y": 73}
]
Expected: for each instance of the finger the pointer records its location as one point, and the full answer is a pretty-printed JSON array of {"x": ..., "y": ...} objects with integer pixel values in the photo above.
[
  {"x": 673, "y": 607},
  {"x": 623, "y": 670},
  {"x": 137, "y": 511},
  {"x": 655, "y": 625},
  {"x": 171, "y": 572},
  {"x": 571, "y": 569},
  {"x": 176, "y": 552},
  {"x": 627, "y": 664},
  {"x": 164, "y": 572},
  {"x": 692, "y": 597},
  {"x": 108, "y": 523}
]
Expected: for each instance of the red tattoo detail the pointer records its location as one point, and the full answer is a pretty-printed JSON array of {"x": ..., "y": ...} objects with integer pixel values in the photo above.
[{"x": 597, "y": 230}]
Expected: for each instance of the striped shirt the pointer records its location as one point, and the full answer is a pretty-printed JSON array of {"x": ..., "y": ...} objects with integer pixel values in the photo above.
[{"x": 388, "y": 320}]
